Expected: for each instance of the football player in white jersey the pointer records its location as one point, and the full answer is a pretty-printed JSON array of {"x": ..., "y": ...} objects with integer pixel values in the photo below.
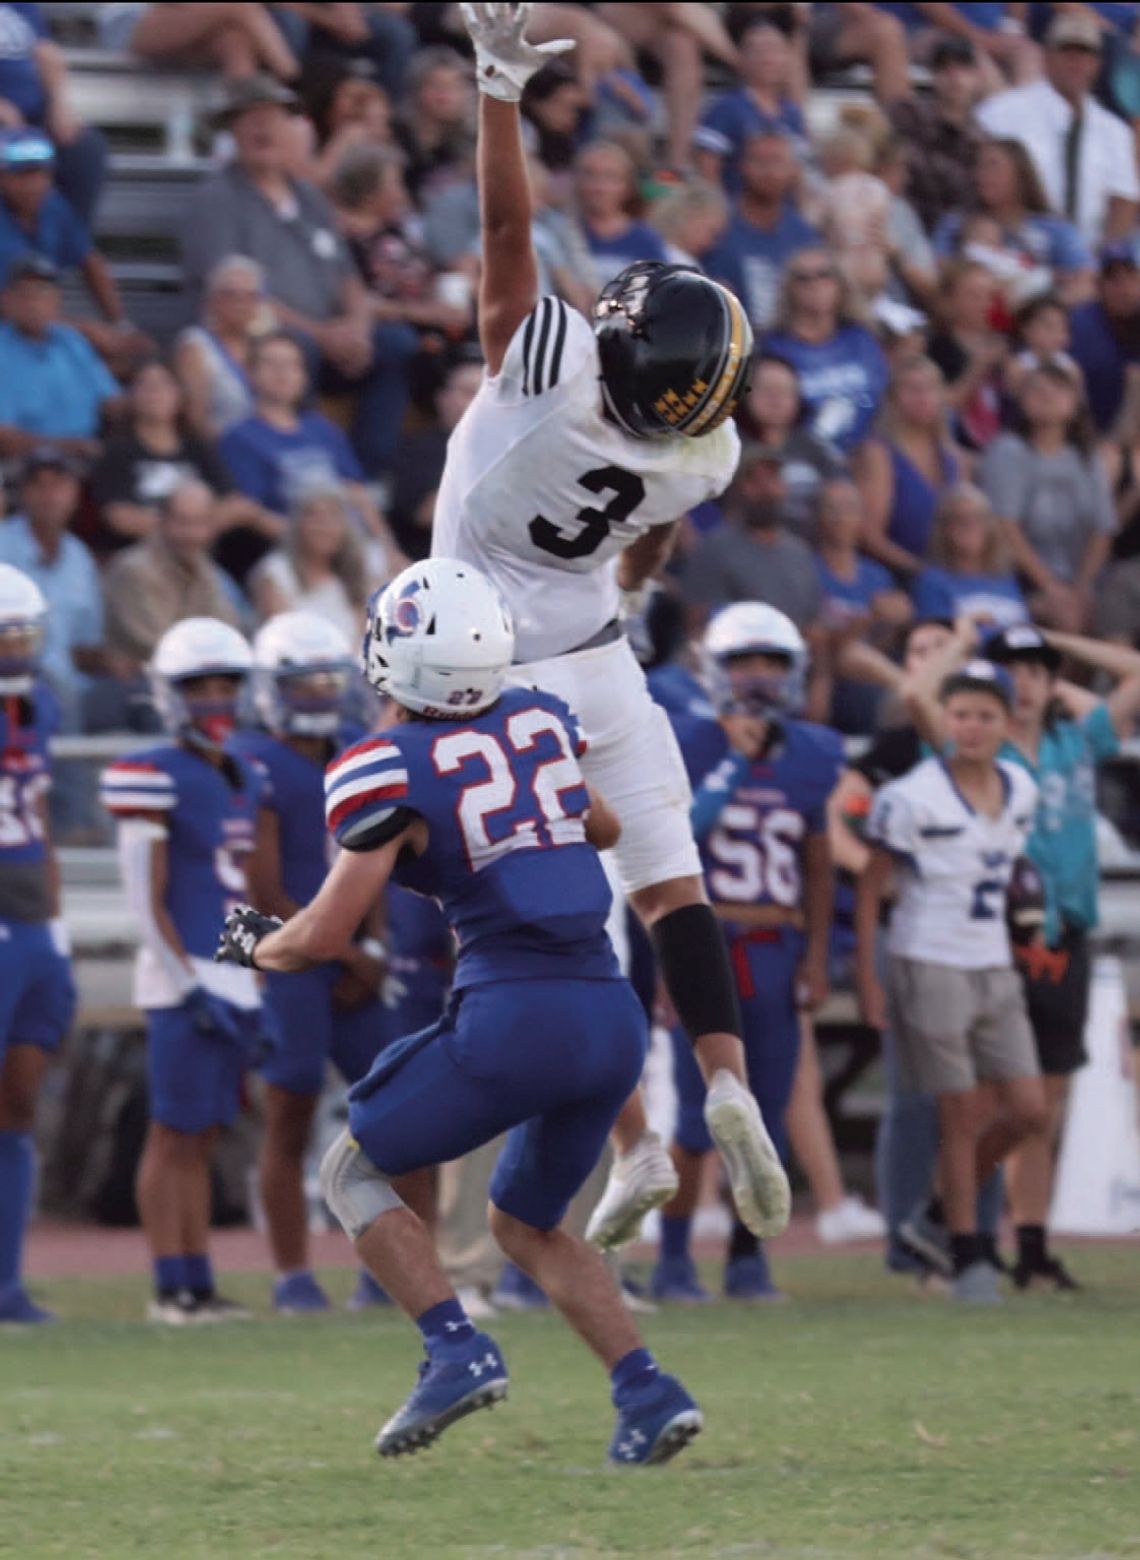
[
  {"x": 952, "y": 831},
  {"x": 564, "y": 483}
]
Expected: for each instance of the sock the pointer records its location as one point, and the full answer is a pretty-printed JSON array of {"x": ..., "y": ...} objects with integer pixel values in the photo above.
[
  {"x": 965, "y": 1252},
  {"x": 632, "y": 1374},
  {"x": 169, "y": 1276},
  {"x": 988, "y": 1249},
  {"x": 675, "y": 1230},
  {"x": 934, "y": 1211},
  {"x": 17, "y": 1176},
  {"x": 445, "y": 1326},
  {"x": 991, "y": 1201},
  {"x": 742, "y": 1242},
  {"x": 1030, "y": 1245},
  {"x": 199, "y": 1275}
]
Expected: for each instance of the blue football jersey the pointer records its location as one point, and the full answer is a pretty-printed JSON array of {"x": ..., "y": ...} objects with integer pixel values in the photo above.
[
  {"x": 764, "y": 809},
  {"x": 26, "y": 727},
  {"x": 294, "y": 789},
  {"x": 416, "y": 928},
  {"x": 507, "y": 859},
  {"x": 210, "y": 816}
]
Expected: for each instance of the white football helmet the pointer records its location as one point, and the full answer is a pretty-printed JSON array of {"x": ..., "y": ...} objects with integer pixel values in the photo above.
[
  {"x": 301, "y": 667},
  {"x": 439, "y": 640},
  {"x": 754, "y": 628},
  {"x": 198, "y": 647},
  {"x": 22, "y": 614}
]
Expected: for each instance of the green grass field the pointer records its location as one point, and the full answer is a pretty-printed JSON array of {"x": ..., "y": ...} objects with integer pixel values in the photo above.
[{"x": 857, "y": 1421}]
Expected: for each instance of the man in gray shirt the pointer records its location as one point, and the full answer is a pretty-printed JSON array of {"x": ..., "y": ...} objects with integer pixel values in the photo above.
[
  {"x": 751, "y": 556},
  {"x": 254, "y": 207}
]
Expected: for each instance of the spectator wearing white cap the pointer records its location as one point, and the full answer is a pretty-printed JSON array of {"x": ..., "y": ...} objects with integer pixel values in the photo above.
[{"x": 1083, "y": 153}]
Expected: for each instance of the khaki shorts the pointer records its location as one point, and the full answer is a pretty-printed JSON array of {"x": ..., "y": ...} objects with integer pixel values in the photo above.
[{"x": 954, "y": 1029}]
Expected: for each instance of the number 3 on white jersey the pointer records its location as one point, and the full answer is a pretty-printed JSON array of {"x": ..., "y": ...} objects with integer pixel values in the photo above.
[{"x": 499, "y": 792}]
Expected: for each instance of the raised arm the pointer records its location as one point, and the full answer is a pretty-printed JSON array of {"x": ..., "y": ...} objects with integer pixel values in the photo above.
[
  {"x": 1123, "y": 703},
  {"x": 504, "y": 63}
]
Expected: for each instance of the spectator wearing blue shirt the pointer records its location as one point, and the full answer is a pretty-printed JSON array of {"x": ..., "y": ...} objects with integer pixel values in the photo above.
[
  {"x": 280, "y": 452},
  {"x": 764, "y": 105},
  {"x": 36, "y": 540},
  {"x": 1008, "y": 189},
  {"x": 840, "y": 366},
  {"x": 1105, "y": 333},
  {"x": 766, "y": 229},
  {"x": 860, "y": 599},
  {"x": 904, "y": 471},
  {"x": 969, "y": 569},
  {"x": 606, "y": 187},
  {"x": 53, "y": 386},
  {"x": 36, "y": 219},
  {"x": 34, "y": 92}
]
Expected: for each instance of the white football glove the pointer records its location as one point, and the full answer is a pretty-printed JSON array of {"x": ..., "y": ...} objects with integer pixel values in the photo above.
[{"x": 504, "y": 60}]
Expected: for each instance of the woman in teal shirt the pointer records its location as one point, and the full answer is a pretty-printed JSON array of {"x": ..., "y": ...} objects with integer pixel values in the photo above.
[{"x": 1060, "y": 732}]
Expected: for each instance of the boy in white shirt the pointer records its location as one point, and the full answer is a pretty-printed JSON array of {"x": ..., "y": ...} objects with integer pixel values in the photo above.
[{"x": 952, "y": 830}]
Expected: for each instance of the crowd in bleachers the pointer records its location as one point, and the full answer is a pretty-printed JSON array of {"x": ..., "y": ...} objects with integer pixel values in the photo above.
[{"x": 941, "y": 263}]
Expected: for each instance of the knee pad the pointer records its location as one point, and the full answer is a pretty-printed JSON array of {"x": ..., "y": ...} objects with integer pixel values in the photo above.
[
  {"x": 693, "y": 956},
  {"x": 354, "y": 1189}
]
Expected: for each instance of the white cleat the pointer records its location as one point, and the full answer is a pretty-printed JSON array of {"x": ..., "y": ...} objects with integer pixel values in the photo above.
[
  {"x": 640, "y": 1181},
  {"x": 850, "y": 1220},
  {"x": 759, "y": 1183}
]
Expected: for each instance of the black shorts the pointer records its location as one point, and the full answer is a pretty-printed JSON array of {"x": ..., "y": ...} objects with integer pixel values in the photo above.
[{"x": 1056, "y": 982}]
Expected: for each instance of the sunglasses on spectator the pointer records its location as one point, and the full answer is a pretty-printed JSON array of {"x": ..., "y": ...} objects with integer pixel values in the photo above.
[{"x": 823, "y": 273}]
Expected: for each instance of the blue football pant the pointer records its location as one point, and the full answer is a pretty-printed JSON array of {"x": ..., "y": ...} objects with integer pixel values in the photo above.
[{"x": 551, "y": 1062}]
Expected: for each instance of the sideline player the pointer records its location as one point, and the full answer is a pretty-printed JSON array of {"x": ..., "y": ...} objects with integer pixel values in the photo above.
[
  {"x": 564, "y": 482},
  {"x": 301, "y": 669},
  {"x": 474, "y": 796},
  {"x": 761, "y": 779},
  {"x": 1059, "y": 732},
  {"x": 186, "y": 811},
  {"x": 37, "y": 997},
  {"x": 952, "y": 831}
]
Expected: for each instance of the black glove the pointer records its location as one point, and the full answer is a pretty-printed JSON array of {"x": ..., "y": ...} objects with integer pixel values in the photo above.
[{"x": 244, "y": 929}]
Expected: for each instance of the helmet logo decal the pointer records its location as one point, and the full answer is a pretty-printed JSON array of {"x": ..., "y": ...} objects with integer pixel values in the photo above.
[
  {"x": 673, "y": 407},
  {"x": 407, "y": 616}
]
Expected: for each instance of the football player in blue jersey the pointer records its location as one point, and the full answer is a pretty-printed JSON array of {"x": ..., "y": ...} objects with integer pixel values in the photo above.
[
  {"x": 474, "y": 796},
  {"x": 186, "y": 814},
  {"x": 761, "y": 779},
  {"x": 301, "y": 670},
  {"x": 37, "y": 997}
]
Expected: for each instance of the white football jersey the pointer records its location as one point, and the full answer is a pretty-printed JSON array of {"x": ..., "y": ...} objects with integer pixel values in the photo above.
[
  {"x": 954, "y": 864},
  {"x": 541, "y": 491}
]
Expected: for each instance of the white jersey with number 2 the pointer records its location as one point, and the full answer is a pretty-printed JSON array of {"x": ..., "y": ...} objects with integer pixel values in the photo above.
[
  {"x": 541, "y": 491},
  {"x": 954, "y": 864}
]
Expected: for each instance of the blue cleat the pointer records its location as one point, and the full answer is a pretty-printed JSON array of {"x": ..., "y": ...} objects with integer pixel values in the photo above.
[
  {"x": 18, "y": 1308},
  {"x": 655, "y": 1425},
  {"x": 517, "y": 1291},
  {"x": 748, "y": 1278},
  {"x": 299, "y": 1293},
  {"x": 368, "y": 1294},
  {"x": 675, "y": 1279},
  {"x": 448, "y": 1389}
]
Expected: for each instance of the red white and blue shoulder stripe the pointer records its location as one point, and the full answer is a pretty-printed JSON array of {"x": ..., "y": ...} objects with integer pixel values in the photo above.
[
  {"x": 363, "y": 786},
  {"x": 137, "y": 786}
]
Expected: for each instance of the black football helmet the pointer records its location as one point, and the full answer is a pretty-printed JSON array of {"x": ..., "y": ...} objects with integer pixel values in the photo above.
[{"x": 675, "y": 350}]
